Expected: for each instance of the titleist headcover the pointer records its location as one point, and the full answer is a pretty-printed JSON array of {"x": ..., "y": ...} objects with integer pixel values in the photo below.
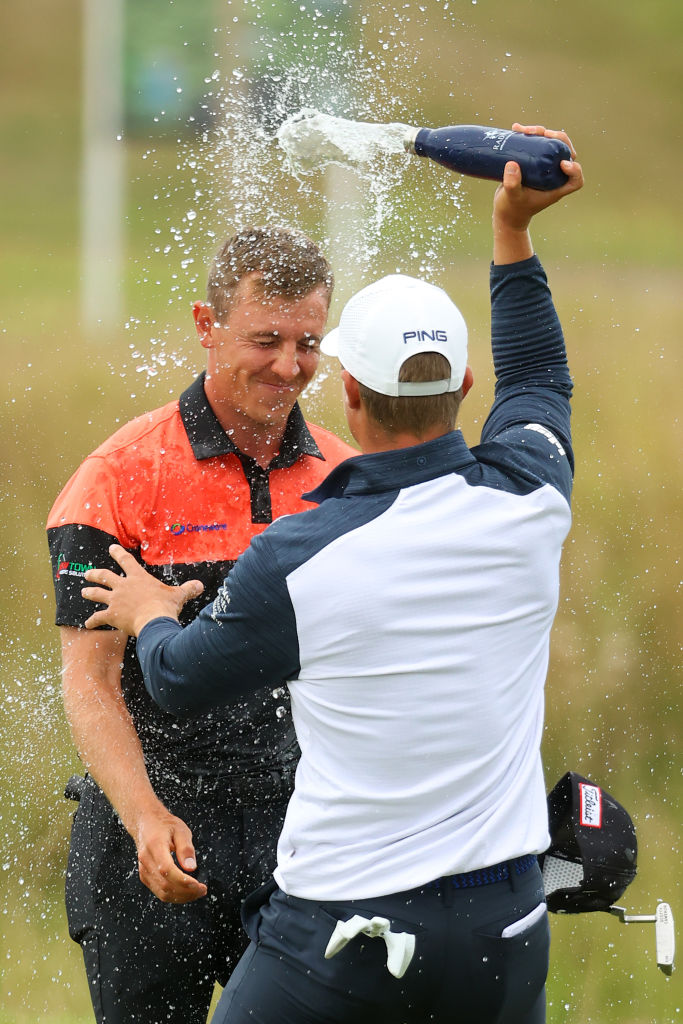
[{"x": 593, "y": 849}]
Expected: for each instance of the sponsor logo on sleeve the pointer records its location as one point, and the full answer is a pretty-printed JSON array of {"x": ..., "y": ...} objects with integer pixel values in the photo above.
[{"x": 67, "y": 568}]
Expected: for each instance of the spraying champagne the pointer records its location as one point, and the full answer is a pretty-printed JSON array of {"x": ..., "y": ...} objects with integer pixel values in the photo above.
[
  {"x": 483, "y": 152},
  {"x": 312, "y": 140}
]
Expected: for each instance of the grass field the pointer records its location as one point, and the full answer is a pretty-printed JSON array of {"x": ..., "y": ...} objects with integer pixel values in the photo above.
[{"x": 614, "y": 262}]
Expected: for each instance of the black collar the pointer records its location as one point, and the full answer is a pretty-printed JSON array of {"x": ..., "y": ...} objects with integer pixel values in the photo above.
[{"x": 208, "y": 439}]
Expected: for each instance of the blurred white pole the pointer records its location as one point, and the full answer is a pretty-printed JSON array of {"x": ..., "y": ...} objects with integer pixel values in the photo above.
[
  {"x": 345, "y": 230},
  {"x": 102, "y": 171}
]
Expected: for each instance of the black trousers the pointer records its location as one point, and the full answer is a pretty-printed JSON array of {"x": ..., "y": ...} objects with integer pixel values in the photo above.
[
  {"x": 463, "y": 971},
  {"x": 151, "y": 962}
]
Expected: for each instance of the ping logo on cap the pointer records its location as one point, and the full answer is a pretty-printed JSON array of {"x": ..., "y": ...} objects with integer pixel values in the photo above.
[{"x": 424, "y": 336}]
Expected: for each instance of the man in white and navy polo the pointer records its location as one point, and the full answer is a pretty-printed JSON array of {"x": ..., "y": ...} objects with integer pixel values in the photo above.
[{"x": 409, "y": 615}]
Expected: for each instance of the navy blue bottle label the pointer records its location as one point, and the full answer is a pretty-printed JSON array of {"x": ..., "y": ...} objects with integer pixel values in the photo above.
[{"x": 483, "y": 152}]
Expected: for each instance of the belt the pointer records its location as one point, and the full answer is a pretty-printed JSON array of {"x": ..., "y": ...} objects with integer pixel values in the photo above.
[
  {"x": 487, "y": 876},
  {"x": 273, "y": 787}
]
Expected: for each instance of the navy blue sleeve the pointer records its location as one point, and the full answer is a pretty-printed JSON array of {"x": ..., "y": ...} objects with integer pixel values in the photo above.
[
  {"x": 246, "y": 639},
  {"x": 533, "y": 386}
]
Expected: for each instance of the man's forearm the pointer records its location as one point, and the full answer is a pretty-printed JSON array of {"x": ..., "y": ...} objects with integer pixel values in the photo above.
[
  {"x": 108, "y": 744},
  {"x": 510, "y": 245},
  {"x": 526, "y": 334},
  {"x": 109, "y": 747},
  {"x": 100, "y": 723},
  {"x": 514, "y": 205}
]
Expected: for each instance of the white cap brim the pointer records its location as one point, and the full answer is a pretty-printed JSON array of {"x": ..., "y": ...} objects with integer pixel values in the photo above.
[{"x": 329, "y": 346}]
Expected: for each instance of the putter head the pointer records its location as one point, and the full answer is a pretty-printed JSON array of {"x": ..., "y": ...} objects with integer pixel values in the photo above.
[
  {"x": 665, "y": 935},
  {"x": 665, "y": 938}
]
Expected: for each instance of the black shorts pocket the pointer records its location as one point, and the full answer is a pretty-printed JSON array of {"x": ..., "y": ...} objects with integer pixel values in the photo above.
[{"x": 101, "y": 858}]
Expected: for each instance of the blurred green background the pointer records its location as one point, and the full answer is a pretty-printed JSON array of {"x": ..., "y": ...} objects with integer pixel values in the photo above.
[{"x": 610, "y": 73}]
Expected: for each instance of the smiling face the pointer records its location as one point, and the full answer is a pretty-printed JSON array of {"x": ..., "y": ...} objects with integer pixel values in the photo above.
[{"x": 262, "y": 356}]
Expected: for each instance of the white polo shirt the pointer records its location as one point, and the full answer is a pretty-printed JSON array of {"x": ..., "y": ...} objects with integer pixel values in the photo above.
[{"x": 410, "y": 616}]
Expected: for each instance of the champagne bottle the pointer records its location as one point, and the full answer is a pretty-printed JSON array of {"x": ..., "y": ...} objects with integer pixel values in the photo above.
[{"x": 483, "y": 152}]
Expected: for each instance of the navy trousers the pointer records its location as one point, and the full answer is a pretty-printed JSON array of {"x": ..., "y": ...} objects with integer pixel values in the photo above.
[
  {"x": 151, "y": 962},
  {"x": 462, "y": 970}
]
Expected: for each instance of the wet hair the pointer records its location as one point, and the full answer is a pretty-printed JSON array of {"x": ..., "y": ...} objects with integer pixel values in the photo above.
[
  {"x": 284, "y": 263},
  {"x": 415, "y": 414}
]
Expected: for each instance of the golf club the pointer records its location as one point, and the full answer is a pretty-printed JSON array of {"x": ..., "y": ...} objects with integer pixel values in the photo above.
[{"x": 665, "y": 938}]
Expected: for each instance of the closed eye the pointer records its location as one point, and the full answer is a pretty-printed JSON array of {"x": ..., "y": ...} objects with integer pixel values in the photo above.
[
  {"x": 309, "y": 344},
  {"x": 265, "y": 340}
]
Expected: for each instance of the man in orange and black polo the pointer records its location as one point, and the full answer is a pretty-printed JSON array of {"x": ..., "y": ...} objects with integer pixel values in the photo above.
[{"x": 192, "y": 810}]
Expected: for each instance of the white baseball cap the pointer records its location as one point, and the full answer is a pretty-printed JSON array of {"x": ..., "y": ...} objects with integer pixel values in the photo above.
[{"x": 395, "y": 318}]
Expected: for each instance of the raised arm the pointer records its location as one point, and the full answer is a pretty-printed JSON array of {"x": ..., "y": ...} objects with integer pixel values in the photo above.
[
  {"x": 514, "y": 205},
  {"x": 531, "y": 413}
]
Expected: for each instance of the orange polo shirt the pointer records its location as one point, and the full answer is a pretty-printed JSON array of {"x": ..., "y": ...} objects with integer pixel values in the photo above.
[{"x": 171, "y": 487}]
